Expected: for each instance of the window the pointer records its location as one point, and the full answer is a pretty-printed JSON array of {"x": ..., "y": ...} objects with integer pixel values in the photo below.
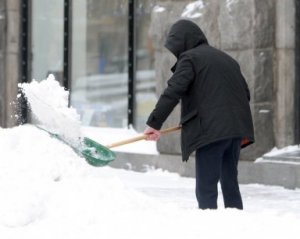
[
  {"x": 99, "y": 62},
  {"x": 145, "y": 76},
  {"x": 100, "y": 59},
  {"x": 47, "y": 39}
]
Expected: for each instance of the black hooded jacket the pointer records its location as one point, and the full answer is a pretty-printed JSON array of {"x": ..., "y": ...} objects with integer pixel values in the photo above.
[{"x": 213, "y": 92}]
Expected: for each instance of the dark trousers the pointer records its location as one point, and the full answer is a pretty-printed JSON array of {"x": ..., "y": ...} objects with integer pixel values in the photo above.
[{"x": 218, "y": 162}]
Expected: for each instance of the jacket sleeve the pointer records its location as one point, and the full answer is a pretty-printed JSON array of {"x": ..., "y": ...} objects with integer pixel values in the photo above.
[{"x": 178, "y": 84}]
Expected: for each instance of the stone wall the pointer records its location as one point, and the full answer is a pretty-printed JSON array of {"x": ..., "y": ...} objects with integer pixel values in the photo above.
[
  {"x": 9, "y": 59},
  {"x": 2, "y": 66},
  {"x": 246, "y": 30},
  {"x": 285, "y": 73}
]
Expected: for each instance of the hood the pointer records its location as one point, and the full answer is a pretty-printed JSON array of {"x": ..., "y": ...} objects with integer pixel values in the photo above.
[{"x": 184, "y": 35}]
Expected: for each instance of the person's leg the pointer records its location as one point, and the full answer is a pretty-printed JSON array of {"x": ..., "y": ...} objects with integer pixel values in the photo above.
[
  {"x": 208, "y": 165},
  {"x": 229, "y": 176}
]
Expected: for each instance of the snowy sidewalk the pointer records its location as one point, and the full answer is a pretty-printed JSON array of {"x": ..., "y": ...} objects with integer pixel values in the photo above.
[{"x": 49, "y": 192}]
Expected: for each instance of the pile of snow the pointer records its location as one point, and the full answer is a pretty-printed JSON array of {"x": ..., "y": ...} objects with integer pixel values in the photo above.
[
  {"x": 48, "y": 102},
  {"x": 275, "y": 151},
  {"x": 281, "y": 156}
]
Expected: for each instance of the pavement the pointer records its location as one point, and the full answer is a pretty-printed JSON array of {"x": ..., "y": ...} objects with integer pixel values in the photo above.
[{"x": 280, "y": 170}]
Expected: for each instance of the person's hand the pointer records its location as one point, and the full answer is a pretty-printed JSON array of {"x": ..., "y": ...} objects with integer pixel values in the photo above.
[{"x": 152, "y": 134}]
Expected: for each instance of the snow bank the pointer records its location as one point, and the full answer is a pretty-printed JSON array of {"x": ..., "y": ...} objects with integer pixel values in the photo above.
[
  {"x": 49, "y": 192},
  {"x": 275, "y": 151}
]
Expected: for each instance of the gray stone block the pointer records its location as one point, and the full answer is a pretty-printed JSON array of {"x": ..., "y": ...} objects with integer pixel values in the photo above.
[
  {"x": 263, "y": 75},
  {"x": 246, "y": 24},
  {"x": 205, "y": 15},
  {"x": 13, "y": 31},
  {"x": 263, "y": 128},
  {"x": 236, "y": 24},
  {"x": 285, "y": 102},
  {"x": 285, "y": 24},
  {"x": 264, "y": 23},
  {"x": 13, "y": 5}
]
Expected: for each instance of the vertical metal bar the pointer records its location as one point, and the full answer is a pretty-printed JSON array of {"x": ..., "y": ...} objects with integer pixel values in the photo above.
[
  {"x": 131, "y": 62},
  {"x": 297, "y": 73},
  {"x": 24, "y": 66},
  {"x": 67, "y": 44}
]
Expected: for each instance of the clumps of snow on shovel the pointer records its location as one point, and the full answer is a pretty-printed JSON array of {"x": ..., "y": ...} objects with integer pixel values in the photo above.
[{"x": 48, "y": 102}]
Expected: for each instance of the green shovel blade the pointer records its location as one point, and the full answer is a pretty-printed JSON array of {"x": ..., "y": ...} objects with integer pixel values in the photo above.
[{"x": 96, "y": 154}]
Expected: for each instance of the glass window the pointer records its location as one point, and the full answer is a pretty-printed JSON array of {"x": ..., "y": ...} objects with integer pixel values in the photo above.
[
  {"x": 145, "y": 75},
  {"x": 99, "y": 62},
  {"x": 47, "y": 38}
]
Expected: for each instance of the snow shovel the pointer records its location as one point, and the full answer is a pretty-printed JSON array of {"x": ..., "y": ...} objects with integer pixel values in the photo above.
[
  {"x": 98, "y": 155},
  {"x": 107, "y": 155}
]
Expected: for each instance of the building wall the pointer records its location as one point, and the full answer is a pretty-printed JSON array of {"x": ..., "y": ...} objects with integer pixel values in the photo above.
[
  {"x": 9, "y": 60},
  {"x": 259, "y": 35}
]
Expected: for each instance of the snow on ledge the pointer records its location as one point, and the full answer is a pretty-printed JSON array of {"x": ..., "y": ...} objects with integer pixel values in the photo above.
[{"x": 275, "y": 151}]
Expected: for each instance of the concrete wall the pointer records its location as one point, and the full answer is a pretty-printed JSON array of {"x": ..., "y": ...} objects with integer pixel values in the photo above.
[
  {"x": 259, "y": 35},
  {"x": 9, "y": 60}
]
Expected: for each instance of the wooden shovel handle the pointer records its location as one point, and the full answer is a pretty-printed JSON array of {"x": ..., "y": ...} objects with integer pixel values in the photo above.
[{"x": 141, "y": 137}]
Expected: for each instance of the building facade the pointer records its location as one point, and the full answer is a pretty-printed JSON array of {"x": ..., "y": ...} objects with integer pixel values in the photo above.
[{"x": 110, "y": 55}]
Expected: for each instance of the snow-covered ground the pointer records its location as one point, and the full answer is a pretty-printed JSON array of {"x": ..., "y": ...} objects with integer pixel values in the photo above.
[{"x": 48, "y": 191}]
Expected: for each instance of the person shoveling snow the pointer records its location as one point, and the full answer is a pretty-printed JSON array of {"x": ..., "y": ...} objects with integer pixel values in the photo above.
[{"x": 48, "y": 102}]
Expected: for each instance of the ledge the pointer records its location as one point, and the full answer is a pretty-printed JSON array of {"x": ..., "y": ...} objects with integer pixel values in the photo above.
[{"x": 263, "y": 171}]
